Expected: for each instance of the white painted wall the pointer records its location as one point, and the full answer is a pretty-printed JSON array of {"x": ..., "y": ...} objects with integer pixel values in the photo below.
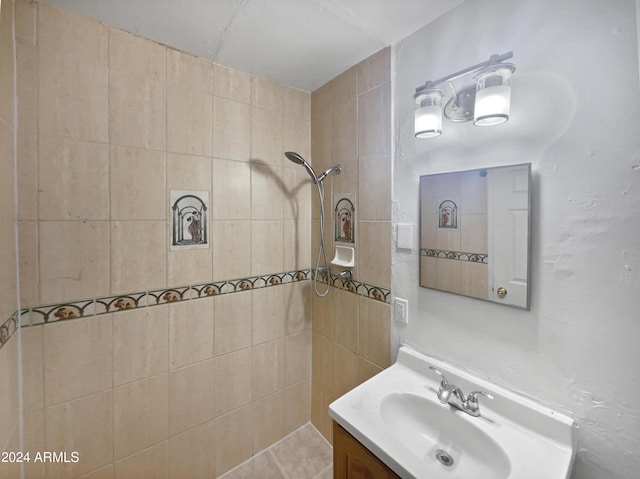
[{"x": 576, "y": 118}]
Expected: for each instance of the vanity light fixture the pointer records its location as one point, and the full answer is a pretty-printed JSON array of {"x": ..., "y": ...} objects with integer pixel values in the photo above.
[{"x": 486, "y": 101}]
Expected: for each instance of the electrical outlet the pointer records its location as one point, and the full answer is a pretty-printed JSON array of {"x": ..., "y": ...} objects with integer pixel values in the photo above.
[{"x": 401, "y": 310}]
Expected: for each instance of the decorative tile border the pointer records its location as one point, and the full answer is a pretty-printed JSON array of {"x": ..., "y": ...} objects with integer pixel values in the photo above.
[
  {"x": 111, "y": 304},
  {"x": 357, "y": 287},
  {"x": 456, "y": 255},
  {"x": 7, "y": 329}
]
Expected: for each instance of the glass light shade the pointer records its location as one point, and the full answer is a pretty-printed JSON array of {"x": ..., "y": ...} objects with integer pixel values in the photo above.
[
  {"x": 493, "y": 95},
  {"x": 428, "y": 114}
]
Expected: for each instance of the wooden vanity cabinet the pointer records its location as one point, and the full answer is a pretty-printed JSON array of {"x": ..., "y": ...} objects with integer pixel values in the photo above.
[{"x": 351, "y": 460}]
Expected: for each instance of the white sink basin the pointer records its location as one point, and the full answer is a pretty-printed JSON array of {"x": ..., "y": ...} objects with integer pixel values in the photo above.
[
  {"x": 398, "y": 417},
  {"x": 425, "y": 427}
]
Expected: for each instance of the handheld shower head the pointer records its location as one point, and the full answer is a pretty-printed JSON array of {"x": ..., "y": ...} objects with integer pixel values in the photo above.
[{"x": 298, "y": 160}]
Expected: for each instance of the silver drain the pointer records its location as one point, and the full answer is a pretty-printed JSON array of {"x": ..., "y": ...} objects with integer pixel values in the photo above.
[{"x": 444, "y": 458}]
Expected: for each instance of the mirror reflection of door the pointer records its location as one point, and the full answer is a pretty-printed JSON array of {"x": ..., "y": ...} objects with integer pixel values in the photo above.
[{"x": 474, "y": 233}]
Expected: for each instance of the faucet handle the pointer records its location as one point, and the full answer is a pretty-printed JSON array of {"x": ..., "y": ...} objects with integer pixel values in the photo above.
[
  {"x": 472, "y": 398},
  {"x": 443, "y": 379}
]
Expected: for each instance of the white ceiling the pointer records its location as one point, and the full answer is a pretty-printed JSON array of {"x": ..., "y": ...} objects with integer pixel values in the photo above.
[{"x": 301, "y": 43}]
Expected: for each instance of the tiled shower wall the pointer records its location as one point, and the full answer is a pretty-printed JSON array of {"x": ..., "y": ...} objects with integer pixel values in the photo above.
[
  {"x": 351, "y": 125},
  {"x": 108, "y": 123},
  {"x": 8, "y": 342}
]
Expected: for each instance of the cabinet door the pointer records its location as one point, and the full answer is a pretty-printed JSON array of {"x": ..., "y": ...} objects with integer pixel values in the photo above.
[{"x": 351, "y": 460}]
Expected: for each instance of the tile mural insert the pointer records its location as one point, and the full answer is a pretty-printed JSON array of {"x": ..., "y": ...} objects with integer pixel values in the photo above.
[
  {"x": 189, "y": 224},
  {"x": 344, "y": 215},
  {"x": 448, "y": 215}
]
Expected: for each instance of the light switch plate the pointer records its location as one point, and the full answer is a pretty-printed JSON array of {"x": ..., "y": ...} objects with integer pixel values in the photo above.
[{"x": 404, "y": 235}]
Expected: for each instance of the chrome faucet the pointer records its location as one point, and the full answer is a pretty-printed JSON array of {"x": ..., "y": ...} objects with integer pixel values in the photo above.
[{"x": 453, "y": 395}]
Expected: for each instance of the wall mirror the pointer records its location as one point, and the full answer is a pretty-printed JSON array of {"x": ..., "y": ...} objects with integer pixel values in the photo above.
[{"x": 474, "y": 233}]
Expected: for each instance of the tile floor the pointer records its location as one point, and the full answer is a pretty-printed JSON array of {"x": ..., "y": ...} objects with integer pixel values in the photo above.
[{"x": 303, "y": 454}]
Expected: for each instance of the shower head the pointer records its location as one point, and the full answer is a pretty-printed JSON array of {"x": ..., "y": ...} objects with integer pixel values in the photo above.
[
  {"x": 298, "y": 160},
  {"x": 336, "y": 170},
  {"x": 293, "y": 156}
]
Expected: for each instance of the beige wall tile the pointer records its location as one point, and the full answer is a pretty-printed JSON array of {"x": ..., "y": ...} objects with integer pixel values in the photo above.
[
  {"x": 231, "y": 84},
  {"x": 474, "y": 278},
  {"x": 345, "y": 86},
  {"x": 366, "y": 370},
  {"x": 152, "y": 462},
  {"x": 268, "y": 421},
  {"x": 345, "y": 319},
  {"x": 189, "y": 71},
  {"x": 231, "y": 249},
  {"x": 232, "y": 381},
  {"x": 140, "y": 415},
  {"x": 322, "y": 360},
  {"x": 137, "y": 115},
  {"x": 27, "y": 87},
  {"x": 323, "y": 314},
  {"x": 25, "y": 21},
  {"x": 345, "y": 146},
  {"x": 7, "y": 186},
  {"x": 9, "y": 389},
  {"x": 8, "y": 267},
  {"x": 6, "y": 58},
  {"x": 266, "y": 247},
  {"x": 297, "y": 244},
  {"x": 345, "y": 370},
  {"x": 374, "y": 258},
  {"x": 78, "y": 358},
  {"x": 190, "y": 332},
  {"x": 72, "y": 180},
  {"x": 267, "y": 192},
  {"x": 296, "y": 136},
  {"x": 268, "y": 314},
  {"x": 61, "y": 30},
  {"x": 266, "y": 136},
  {"x": 102, "y": 473},
  {"x": 473, "y": 192},
  {"x": 374, "y": 70},
  {"x": 137, "y": 179},
  {"x": 191, "y": 396},
  {"x": 140, "y": 344},
  {"x": 374, "y": 122},
  {"x": 189, "y": 266},
  {"x": 33, "y": 367},
  {"x": 72, "y": 96},
  {"x": 33, "y": 440},
  {"x": 374, "y": 188},
  {"x": 297, "y": 354},
  {"x": 428, "y": 272},
  {"x": 189, "y": 120},
  {"x": 298, "y": 190},
  {"x": 231, "y": 197},
  {"x": 322, "y": 138},
  {"x": 84, "y": 425},
  {"x": 320, "y": 400},
  {"x": 135, "y": 54},
  {"x": 138, "y": 256},
  {"x": 232, "y": 322},
  {"x": 473, "y": 233},
  {"x": 233, "y": 439},
  {"x": 297, "y": 405},
  {"x": 297, "y": 307},
  {"x": 449, "y": 275},
  {"x": 28, "y": 253},
  {"x": 268, "y": 368},
  {"x": 374, "y": 326},
  {"x": 297, "y": 103},
  {"x": 231, "y": 129},
  {"x": 191, "y": 453},
  {"x": 186, "y": 172},
  {"x": 27, "y": 176},
  {"x": 267, "y": 94}
]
